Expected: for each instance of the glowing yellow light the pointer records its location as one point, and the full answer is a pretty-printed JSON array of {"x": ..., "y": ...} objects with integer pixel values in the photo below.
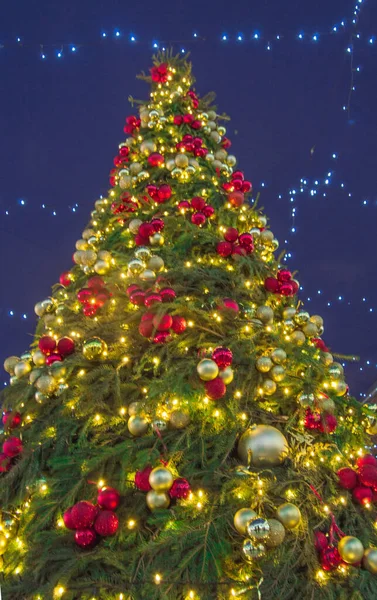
[
  {"x": 190, "y": 323},
  {"x": 100, "y": 484},
  {"x": 125, "y": 359},
  {"x": 238, "y": 394},
  {"x": 81, "y": 373},
  {"x": 156, "y": 360},
  {"x": 60, "y": 523},
  {"x": 97, "y": 418},
  {"x": 326, "y": 508},
  {"x": 123, "y": 411},
  {"x": 157, "y": 578},
  {"x": 131, "y": 523},
  {"x": 59, "y": 591}
]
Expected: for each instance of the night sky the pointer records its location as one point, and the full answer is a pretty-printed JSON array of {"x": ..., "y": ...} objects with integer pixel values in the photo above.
[{"x": 61, "y": 120}]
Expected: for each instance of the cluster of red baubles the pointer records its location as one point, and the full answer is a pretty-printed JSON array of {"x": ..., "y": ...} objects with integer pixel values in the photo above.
[
  {"x": 187, "y": 119},
  {"x": 132, "y": 123},
  {"x": 159, "y": 194},
  {"x": 12, "y": 446},
  {"x": 201, "y": 210},
  {"x": 122, "y": 157},
  {"x": 155, "y": 325},
  {"x": 236, "y": 188},
  {"x": 282, "y": 284},
  {"x": 161, "y": 73},
  {"x": 94, "y": 296},
  {"x": 320, "y": 344},
  {"x": 146, "y": 230},
  {"x": 315, "y": 421},
  {"x": 194, "y": 98},
  {"x": 216, "y": 388},
  {"x": 235, "y": 244},
  {"x": 125, "y": 204},
  {"x": 148, "y": 298},
  {"x": 179, "y": 490},
  {"x": 55, "y": 351},
  {"x": 192, "y": 144},
  {"x": 89, "y": 521},
  {"x": 329, "y": 556},
  {"x": 362, "y": 481}
]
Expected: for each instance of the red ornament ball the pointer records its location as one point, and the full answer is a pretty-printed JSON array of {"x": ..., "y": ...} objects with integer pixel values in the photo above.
[
  {"x": 95, "y": 283},
  {"x": 146, "y": 326},
  {"x": 47, "y": 344},
  {"x": 362, "y": 494},
  {"x": 106, "y": 523},
  {"x": 162, "y": 322},
  {"x": 224, "y": 249},
  {"x": 229, "y": 305},
  {"x": 236, "y": 198},
  {"x": 66, "y": 346},
  {"x": 330, "y": 558},
  {"x": 67, "y": 518},
  {"x": 321, "y": 541},
  {"x": 271, "y": 285},
  {"x": 85, "y": 538},
  {"x": 65, "y": 279},
  {"x": 12, "y": 419},
  {"x": 152, "y": 298},
  {"x": 180, "y": 488},
  {"x": 52, "y": 358},
  {"x": 179, "y": 324},
  {"x": 157, "y": 224},
  {"x": 5, "y": 463},
  {"x": 146, "y": 230},
  {"x": 138, "y": 298},
  {"x": 284, "y": 275},
  {"x": 198, "y": 203},
  {"x": 215, "y": 389},
  {"x": 184, "y": 205},
  {"x": 198, "y": 219},
  {"x": 347, "y": 478},
  {"x": 223, "y": 357},
  {"x": 238, "y": 251},
  {"x": 168, "y": 294},
  {"x": 142, "y": 479},
  {"x": 156, "y": 159},
  {"x": 83, "y": 514},
  {"x": 368, "y": 476},
  {"x": 208, "y": 211},
  {"x": 161, "y": 337},
  {"x": 231, "y": 234},
  {"x": 12, "y": 447},
  {"x": 286, "y": 289},
  {"x": 108, "y": 498},
  {"x": 90, "y": 310},
  {"x": 328, "y": 423},
  {"x": 368, "y": 459},
  {"x": 132, "y": 288},
  {"x": 246, "y": 240},
  {"x": 163, "y": 193}
]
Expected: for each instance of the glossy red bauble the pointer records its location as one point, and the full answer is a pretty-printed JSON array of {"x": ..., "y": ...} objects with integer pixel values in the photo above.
[
  {"x": 229, "y": 305},
  {"x": 215, "y": 389},
  {"x": 347, "y": 478},
  {"x": 223, "y": 357},
  {"x": 108, "y": 498},
  {"x": 164, "y": 193},
  {"x": 368, "y": 459},
  {"x": 198, "y": 203},
  {"x": 85, "y": 538},
  {"x": 83, "y": 514},
  {"x": 271, "y": 285},
  {"x": 161, "y": 337},
  {"x": 5, "y": 463},
  {"x": 66, "y": 346},
  {"x": 131, "y": 289},
  {"x": 330, "y": 558},
  {"x": 286, "y": 289},
  {"x": 179, "y": 324},
  {"x": 368, "y": 476},
  {"x": 95, "y": 283},
  {"x": 90, "y": 310},
  {"x": 284, "y": 275},
  {"x": 168, "y": 294},
  {"x": 142, "y": 479},
  {"x": 155, "y": 159},
  {"x": 65, "y": 279},
  {"x": 146, "y": 230},
  {"x": 238, "y": 251},
  {"x": 47, "y": 344},
  {"x": 184, "y": 205},
  {"x": 231, "y": 234},
  {"x": 52, "y": 358},
  {"x": 198, "y": 219},
  {"x": 152, "y": 298},
  {"x": 137, "y": 298},
  {"x": 67, "y": 518},
  {"x": 146, "y": 328},
  {"x": 157, "y": 224},
  {"x": 362, "y": 494},
  {"x": 162, "y": 322},
  {"x": 11, "y": 419},
  {"x": 180, "y": 488},
  {"x": 106, "y": 523},
  {"x": 224, "y": 249},
  {"x": 321, "y": 541},
  {"x": 12, "y": 447},
  {"x": 85, "y": 295},
  {"x": 246, "y": 240},
  {"x": 236, "y": 198},
  {"x": 208, "y": 211}
]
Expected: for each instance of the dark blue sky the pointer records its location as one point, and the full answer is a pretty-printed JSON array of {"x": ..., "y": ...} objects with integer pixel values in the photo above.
[{"x": 61, "y": 121}]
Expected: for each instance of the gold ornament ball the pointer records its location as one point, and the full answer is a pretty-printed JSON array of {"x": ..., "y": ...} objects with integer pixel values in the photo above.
[
  {"x": 148, "y": 146},
  {"x": 161, "y": 479},
  {"x": 104, "y": 255},
  {"x": 276, "y": 534},
  {"x": 305, "y": 400},
  {"x": 327, "y": 358},
  {"x": 231, "y": 160},
  {"x": 339, "y": 388},
  {"x": 258, "y": 528},
  {"x": 242, "y": 518},
  {"x": 3, "y": 543},
  {"x": 372, "y": 426},
  {"x": 274, "y": 244},
  {"x": 215, "y": 136},
  {"x": 277, "y": 373},
  {"x": 88, "y": 233},
  {"x": 134, "y": 225},
  {"x": 93, "y": 348},
  {"x": 89, "y": 257},
  {"x": 255, "y": 232},
  {"x": 289, "y": 515},
  {"x": 81, "y": 245},
  {"x": 136, "y": 266},
  {"x": 125, "y": 182},
  {"x": 351, "y": 549},
  {"x": 156, "y": 263},
  {"x": 262, "y": 221},
  {"x": 190, "y": 170},
  {"x": 101, "y": 267},
  {"x": 264, "y": 364},
  {"x": 157, "y": 239},
  {"x": 147, "y": 275},
  {"x": 221, "y": 154},
  {"x": 227, "y": 375},
  {"x": 176, "y": 173},
  {"x": 40, "y": 398},
  {"x": 278, "y": 356},
  {"x": 10, "y": 364},
  {"x": 39, "y": 358},
  {"x": 310, "y": 329},
  {"x": 179, "y": 419},
  {"x": 135, "y": 168},
  {"x": 289, "y": 312},
  {"x": 34, "y": 375},
  {"x": 13, "y": 380},
  {"x": 156, "y": 500},
  {"x": 301, "y": 317},
  {"x": 26, "y": 356},
  {"x": 253, "y": 549},
  {"x": 327, "y": 405},
  {"x": 265, "y": 445},
  {"x": 23, "y": 367},
  {"x": 370, "y": 560},
  {"x": 137, "y": 425},
  {"x": 143, "y": 253},
  {"x": 207, "y": 369},
  {"x": 170, "y": 164},
  {"x": 134, "y": 408},
  {"x": 264, "y": 314},
  {"x": 298, "y": 338},
  {"x": 289, "y": 325},
  {"x": 269, "y": 387},
  {"x": 267, "y": 235},
  {"x": 46, "y": 384},
  {"x": 335, "y": 371},
  {"x": 194, "y": 163},
  {"x": 181, "y": 160},
  {"x": 317, "y": 320},
  {"x": 39, "y": 309}
]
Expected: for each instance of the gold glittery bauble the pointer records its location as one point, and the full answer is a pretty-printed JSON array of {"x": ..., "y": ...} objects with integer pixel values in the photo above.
[
  {"x": 264, "y": 364},
  {"x": 3, "y": 543},
  {"x": 253, "y": 549},
  {"x": 134, "y": 225},
  {"x": 351, "y": 549},
  {"x": 298, "y": 338},
  {"x": 181, "y": 160},
  {"x": 93, "y": 348},
  {"x": 267, "y": 235},
  {"x": 137, "y": 425},
  {"x": 39, "y": 397},
  {"x": 277, "y": 373},
  {"x": 306, "y": 399},
  {"x": 101, "y": 267},
  {"x": 136, "y": 266},
  {"x": 157, "y": 500},
  {"x": 157, "y": 239},
  {"x": 276, "y": 535},
  {"x": 89, "y": 257},
  {"x": 301, "y": 317},
  {"x": 227, "y": 375},
  {"x": 289, "y": 515},
  {"x": 310, "y": 329},
  {"x": 179, "y": 419},
  {"x": 161, "y": 479},
  {"x": 46, "y": 384},
  {"x": 34, "y": 375},
  {"x": 148, "y": 146},
  {"x": 372, "y": 426},
  {"x": 242, "y": 518},
  {"x": 327, "y": 358},
  {"x": 134, "y": 408},
  {"x": 269, "y": 387},
  {"x": 258, "y": 528},
  {"x": 147, "y": 275},
  {"x": 135, "y": 168},
  {"x": 339, "y": 387},
  {"x": 264, "y": 314},
  {"x": 370, "y": 560},
  {"x": 278, "y": 355},
  {"x": 317, "y": 320},
  {"x": 81, "y": 245},
  {"x": 39, "y": 358},
  {"x": 23, "y": 367},
  {"x": 207, "y": 369},
  {"x": 289, "y": 312},
  {"x": 58, "y": 369},
  {"x": 10, "y": 363},
  {"x": 155, "y": 263},
  {"x": 335, "y": 371},
  {"x": 88, "y": 233},
  {"x": 264, "y": 445}
]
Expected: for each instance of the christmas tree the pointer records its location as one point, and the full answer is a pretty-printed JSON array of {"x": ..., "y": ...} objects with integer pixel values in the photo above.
[{"x": 178, "y": 428}]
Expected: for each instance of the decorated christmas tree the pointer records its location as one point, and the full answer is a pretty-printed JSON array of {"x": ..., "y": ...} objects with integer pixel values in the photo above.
[{"x": 178, "y": 429}]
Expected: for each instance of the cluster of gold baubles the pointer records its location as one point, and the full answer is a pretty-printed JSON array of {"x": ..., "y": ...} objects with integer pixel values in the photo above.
[
  {"x": 352, "y": 552},
  {"x": 299, "y": 325},
  {"x": 160, "y": 480},
  {"x": 139, "y": 421},
  {"x": 48, "y": 381},
  {"x": 265, "y": 242},
  {"x": 207, "y": 370},
  {"x": 271, "y": 364},
  {"x": 262, "y": 446},
  {"x": 145, "y": 265},
  {"x": 265, "y": 533}
]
